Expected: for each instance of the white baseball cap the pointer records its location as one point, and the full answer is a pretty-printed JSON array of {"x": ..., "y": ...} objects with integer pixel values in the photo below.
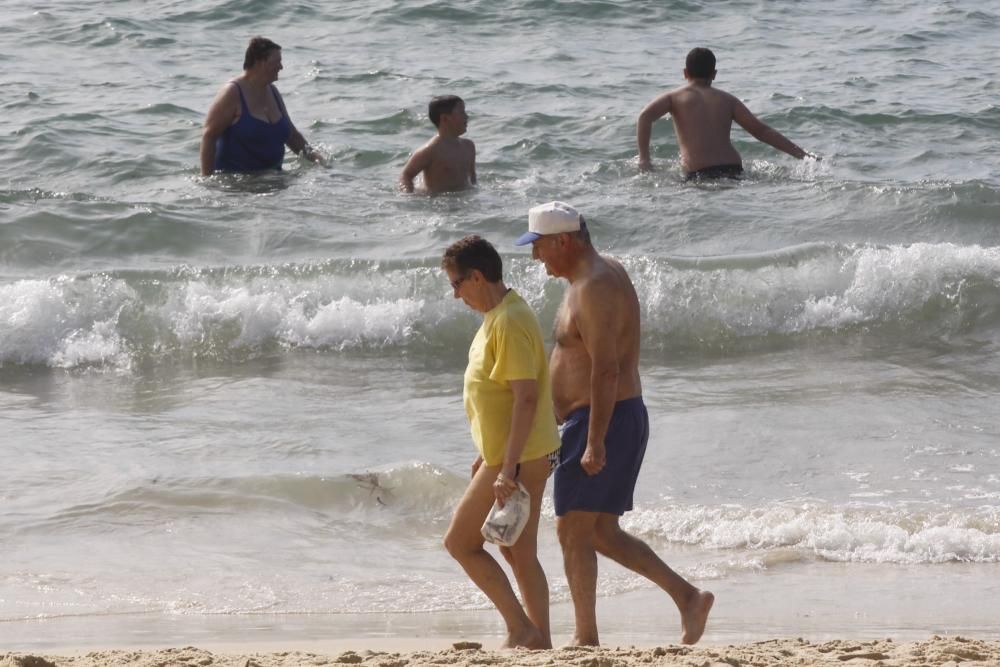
[{"x": 554, "y": 217}]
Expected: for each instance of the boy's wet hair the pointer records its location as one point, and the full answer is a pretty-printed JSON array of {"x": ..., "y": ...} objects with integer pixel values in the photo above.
[
  {"x": 442, "y": 104},
  {"x": 258, "y": 49},
  {"x": 474, "y": 253},
  {"x": 700, "y": 63}
]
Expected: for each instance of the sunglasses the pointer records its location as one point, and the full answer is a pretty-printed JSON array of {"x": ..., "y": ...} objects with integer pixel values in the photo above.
[{"x": 455, "y": 284}]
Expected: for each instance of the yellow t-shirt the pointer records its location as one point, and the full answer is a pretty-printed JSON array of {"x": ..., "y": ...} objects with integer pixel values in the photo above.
[{"x": 508, "y": 346}]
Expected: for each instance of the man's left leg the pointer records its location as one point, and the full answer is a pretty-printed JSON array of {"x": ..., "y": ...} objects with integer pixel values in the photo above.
[
  {"x": 631, "y": 552},
  {"x": 576, "y": 536}
]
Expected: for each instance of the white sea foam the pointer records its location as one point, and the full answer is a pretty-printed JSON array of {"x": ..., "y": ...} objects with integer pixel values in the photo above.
[
  {"x": 69, "y": 322},
  {"x": 291, "y": 313},
  {"x": 848, "y": 534},
  {"x": 102, "y": 319},
  {"x": 734, "y": 297},
  {"x": 63, "y": 323}
]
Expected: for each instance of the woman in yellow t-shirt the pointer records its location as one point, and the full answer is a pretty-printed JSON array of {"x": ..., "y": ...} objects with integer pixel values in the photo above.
[{"x": 509, "y": 404}]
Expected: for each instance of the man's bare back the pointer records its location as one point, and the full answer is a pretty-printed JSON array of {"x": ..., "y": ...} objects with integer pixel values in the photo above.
[
  {"x": 703, "y": 117},
  {"x": 605, "y": 295}
]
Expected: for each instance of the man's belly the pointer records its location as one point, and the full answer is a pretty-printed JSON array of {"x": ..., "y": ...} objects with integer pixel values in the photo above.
[{"x": 570, "y": 379}]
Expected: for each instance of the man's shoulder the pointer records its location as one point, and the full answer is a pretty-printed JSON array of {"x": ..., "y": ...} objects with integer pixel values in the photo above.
[
  {"x": 670, "y": 92},
  {"x": 612, "y": 278},
  {"x": 597, "y": 283},
  {"x": 723, "y": 95},
  {"x": 692, "y": 91}
]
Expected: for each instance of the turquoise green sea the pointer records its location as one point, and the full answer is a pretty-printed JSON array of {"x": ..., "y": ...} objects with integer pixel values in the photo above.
[{"x": 232, "y": 406}]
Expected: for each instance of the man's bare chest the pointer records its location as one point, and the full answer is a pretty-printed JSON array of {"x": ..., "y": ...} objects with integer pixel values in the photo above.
[{"x": 565, "y": 331}]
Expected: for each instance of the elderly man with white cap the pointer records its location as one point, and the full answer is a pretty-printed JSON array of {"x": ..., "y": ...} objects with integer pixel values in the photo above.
[{"x": 594, "y": 369}]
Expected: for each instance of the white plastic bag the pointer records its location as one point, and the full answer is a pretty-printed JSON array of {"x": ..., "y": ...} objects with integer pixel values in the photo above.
[{"x": 504, "y": 525}]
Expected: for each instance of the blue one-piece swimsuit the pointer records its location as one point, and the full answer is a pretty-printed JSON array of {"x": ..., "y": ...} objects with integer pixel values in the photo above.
[{"x": 251, "y": 144}]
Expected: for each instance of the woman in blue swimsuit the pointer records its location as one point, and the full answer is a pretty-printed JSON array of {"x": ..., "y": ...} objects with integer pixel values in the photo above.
[{"x": 247, "y": 126}]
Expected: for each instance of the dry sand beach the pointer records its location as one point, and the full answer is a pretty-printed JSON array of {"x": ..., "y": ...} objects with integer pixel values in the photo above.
[{"x": 932, "y": 652}]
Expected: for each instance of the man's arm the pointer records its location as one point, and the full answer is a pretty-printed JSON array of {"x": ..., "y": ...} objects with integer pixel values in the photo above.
[
  {"x": 764, "y": 132},
  {"x": 219, "y": 117},
  {"x": 597, "y": 306},
  {"x": 416, "y": 164},
  {"x": 653, "y": 111}
]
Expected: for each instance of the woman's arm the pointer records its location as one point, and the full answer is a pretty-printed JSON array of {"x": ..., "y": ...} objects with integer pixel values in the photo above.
[
  {"x": 296, "y": 142},
  {"x": 300, "y": 146},
  {"x": 219, "y": 117},
  {"x": 521, "y": 418}
]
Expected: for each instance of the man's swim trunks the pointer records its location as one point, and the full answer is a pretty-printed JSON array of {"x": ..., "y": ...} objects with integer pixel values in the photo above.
[
  {"x": 610, "y": 490},
  {"x": 252, "y": 144},
  {"x": 553, "y": 458},
  {"x": 718, "y": 171}
]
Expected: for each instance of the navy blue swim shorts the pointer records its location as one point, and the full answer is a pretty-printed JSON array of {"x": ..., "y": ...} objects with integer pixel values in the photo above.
[
  {"x": 718, "y": 171},
  {"x": 609, "y": 491}
]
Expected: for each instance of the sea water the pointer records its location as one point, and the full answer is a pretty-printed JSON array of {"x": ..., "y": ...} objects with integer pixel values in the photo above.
[{"x": 234, "y": 404}]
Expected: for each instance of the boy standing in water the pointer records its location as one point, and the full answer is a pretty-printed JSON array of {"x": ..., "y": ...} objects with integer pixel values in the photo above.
[
  {"x": 447, "y": 161},
  {"x": 703, "y": 117}
]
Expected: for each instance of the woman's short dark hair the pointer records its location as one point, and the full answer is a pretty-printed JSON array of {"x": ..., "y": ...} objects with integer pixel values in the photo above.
[
  {"x": 258, "y": 49},
  {"x": 700, "y": 63},
  {"x": 442, "y": 104},
  {"x": 474, "y": 253}
]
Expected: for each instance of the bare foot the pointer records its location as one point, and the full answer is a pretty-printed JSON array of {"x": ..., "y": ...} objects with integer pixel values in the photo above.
[
  {"x": 694, "y": 617},
  {"x": 578, "y": 641},
  {"x": 530, "y": 638}
]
